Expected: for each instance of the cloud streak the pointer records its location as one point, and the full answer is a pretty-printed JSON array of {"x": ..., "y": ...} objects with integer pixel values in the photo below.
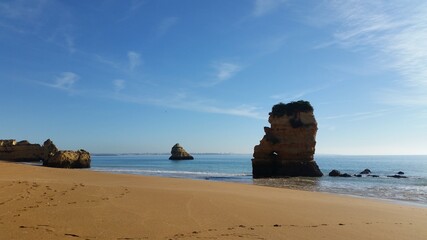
[
  {"x": 226, "y": 70},
  {"x": 264, "y": 7},
  {"x": 165, "y": 25},
  {"x": 134, "y": 60},
  {"x": 396, "y": 31},
  {"x": 359, "y": 115},
  {"x": 180, "y": 100},
  {"x": 285, "y": 97},
  {"x": 223, "y": 72},
  {"x": 119, "y": 84},
  {"x": 65, "y": 81},
  {"x": 22, "y": 10}
]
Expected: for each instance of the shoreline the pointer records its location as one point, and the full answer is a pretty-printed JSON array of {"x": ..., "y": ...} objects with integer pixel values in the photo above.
[
  {"x": 48, "y": 203},
  {"x": 215, "y": 179}
]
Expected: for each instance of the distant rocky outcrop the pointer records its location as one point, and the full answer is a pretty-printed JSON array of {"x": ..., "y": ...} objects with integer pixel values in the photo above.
[
  {"x": 397, "y": 176},
  {"x": 179, "y": 153},
  {"x": 49, "y": 154},
  {"x": 366, "y": 172},
  {"x": 22, "y": 151},
  {"x": 336, "y": 173},
  {"x": 287, "y": 148},
  {"x": 69, "y": 159}
]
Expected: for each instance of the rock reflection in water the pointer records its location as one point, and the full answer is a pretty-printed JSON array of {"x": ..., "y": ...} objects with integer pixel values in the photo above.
[{"x": 298, "y": 183}]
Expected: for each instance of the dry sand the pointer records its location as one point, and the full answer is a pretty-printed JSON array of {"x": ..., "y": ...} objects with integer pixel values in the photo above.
[{"x": 47, "y": 203}]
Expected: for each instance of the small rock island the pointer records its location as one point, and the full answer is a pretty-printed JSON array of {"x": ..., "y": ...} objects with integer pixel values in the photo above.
[
  {"x": 179, "y": 153},
  {"x": 287, "y": 148},
  {"x": 48, "y": 153}
]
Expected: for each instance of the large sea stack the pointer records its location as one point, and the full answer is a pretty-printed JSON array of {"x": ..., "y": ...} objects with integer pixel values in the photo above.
[
  {"x": 287, "y": 148},
  {"x": 179, "y": 153}
]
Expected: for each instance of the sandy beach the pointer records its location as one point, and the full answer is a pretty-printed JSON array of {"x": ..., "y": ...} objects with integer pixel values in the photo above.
[{"x": 46, "y": 203}]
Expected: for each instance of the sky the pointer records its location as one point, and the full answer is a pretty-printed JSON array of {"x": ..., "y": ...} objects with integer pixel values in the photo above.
[{"x": 128, "y": 76}]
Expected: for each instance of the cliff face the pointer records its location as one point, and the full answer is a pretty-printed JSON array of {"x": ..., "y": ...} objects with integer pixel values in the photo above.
[
  {"x": 24, "y": 151},
  {"x": 179, "y": 153},
  {"x": 288, "y": 146}
]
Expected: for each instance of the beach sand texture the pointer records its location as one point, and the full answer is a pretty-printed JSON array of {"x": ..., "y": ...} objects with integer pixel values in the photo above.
[{"x": 45, "y": 203}]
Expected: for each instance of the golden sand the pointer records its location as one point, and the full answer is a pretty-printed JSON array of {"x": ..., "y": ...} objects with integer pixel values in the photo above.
[{"x": 46, "y": 203}]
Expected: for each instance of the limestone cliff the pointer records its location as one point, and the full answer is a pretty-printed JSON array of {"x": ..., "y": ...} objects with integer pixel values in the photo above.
[
  {"x": 69, "y": 159},
  {"x": 24, "y": 151},
  {"x": 288, "y": 146},
  {"x": 179, "y": 153}
]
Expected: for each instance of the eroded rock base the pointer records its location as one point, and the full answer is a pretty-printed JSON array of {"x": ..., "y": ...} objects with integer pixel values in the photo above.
[{"x": 271, "y": 168}]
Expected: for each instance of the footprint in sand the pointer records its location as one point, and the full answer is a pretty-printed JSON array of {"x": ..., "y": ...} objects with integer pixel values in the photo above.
[{"x": 71, "y": 235}]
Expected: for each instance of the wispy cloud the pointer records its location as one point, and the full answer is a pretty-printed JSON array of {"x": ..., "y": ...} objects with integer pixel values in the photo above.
[
  {"x": 65, "y": 81},
  {"x": 181, "y": 100},
  {"x": 46, "y": 19},
  {"x": 131, "y": 63},
  {"x": 134, "y": 6},
  {"x": 396, "y": 31},
  {"x": 292, "y": 96},
  {"x": 263, "y": 7},
  {"x": 69, "y": 42},
  {"x": 134, "y": 60},
  {"x": 22, "y": 9},
  {"x": 226, "y": 70},
  {"x": 165, "y": 25},
  {"x": 106, "y": 61},
  {"x": 403, "y": 96},
  {"x": 119, "y": 84},
  {"x": 223, "y": 72},
  {"x": 242, "y": 110},
  {"x": 22, "y": 17},
  {"x": 359, "y": 115}
]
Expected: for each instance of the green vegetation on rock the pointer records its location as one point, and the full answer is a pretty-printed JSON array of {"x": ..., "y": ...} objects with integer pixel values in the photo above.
[{"x": 291, "y": 108}]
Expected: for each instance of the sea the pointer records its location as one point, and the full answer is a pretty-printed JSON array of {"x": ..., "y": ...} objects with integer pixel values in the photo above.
[{"x": 237, "y": 168}]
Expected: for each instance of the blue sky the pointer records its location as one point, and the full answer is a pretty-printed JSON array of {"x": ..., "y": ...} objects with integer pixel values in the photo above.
[{"x": 139, "y": 76}]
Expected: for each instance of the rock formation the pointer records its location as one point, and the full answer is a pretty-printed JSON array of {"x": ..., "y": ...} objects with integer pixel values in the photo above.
[
  {"x": 49, "y": 149},
  {"x": 287, "y": 148},
  {"x": 179, "y": 153},
  {"x": 334, "y": 173},
  {"x": 69, "y": 159},
  {"x": 24, "y": 151}
]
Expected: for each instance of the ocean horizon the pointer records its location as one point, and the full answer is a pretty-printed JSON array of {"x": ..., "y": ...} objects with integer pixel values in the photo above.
[{"x": 231, "y": 167}]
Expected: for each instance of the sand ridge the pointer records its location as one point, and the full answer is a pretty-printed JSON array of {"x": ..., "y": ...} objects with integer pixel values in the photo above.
[{"x": 44, "y": 203}]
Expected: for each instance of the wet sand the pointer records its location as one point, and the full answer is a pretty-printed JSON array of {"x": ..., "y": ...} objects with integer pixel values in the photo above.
[{"x": 47, "y": 203}]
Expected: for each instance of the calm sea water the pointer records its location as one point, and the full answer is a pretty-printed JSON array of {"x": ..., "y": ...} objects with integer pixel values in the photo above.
[{"x": 237, "y": 168}]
